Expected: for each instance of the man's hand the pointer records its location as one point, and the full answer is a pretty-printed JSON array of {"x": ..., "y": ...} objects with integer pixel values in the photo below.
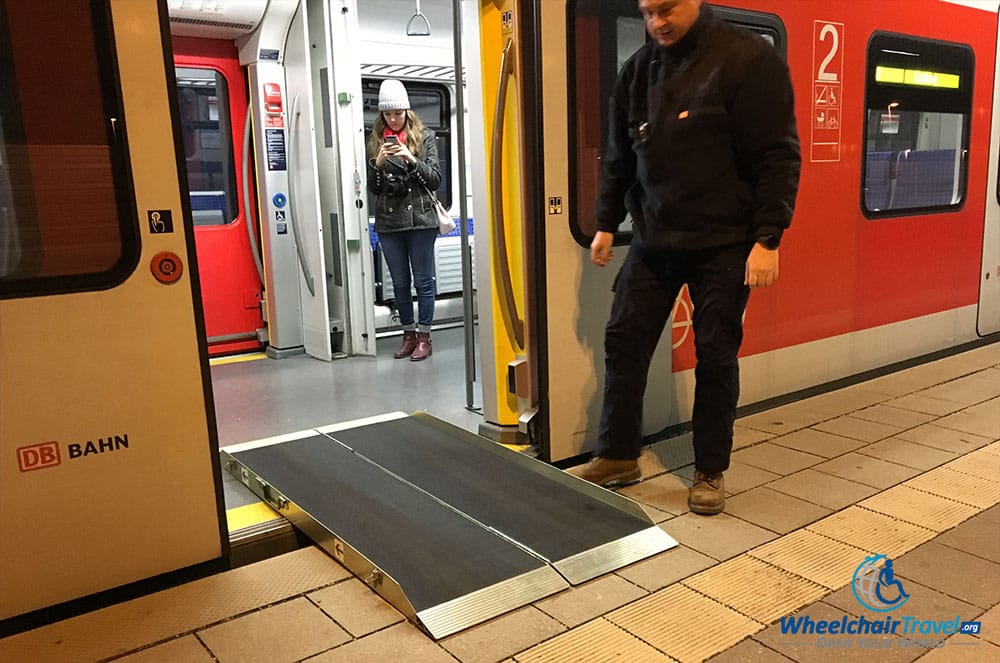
[
  {"x": 600, "y": 248},
  {"x": 762, "y": 267}
]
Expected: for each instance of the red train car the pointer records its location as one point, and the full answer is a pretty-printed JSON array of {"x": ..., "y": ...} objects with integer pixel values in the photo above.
[{"x": 892, "y": 254}]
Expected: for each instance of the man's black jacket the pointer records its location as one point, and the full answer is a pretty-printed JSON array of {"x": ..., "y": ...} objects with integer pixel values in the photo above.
[{"x": 703, "y": 149}]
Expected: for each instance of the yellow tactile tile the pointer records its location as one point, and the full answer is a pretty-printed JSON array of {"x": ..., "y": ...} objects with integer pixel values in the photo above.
[
  {"x": 958, "y": 486},
  {"x": 684, "y": 624},
  {"x": 980, "y": 463},
  {"x": 755, "y": 588},
  {"x": 814, "y": 557},
  {"x": 920, "y": 508},
  {"x": 992, "y": 449},
  {"x": 871, "y": 531},
  {"x": 598, "y": 640}
]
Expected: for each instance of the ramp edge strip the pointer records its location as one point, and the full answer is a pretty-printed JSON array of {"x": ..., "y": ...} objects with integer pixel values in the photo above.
[
  {"x": 613, "y": 555},
  {"x": 311, "y": 432},
  {"x": 483, "y": 604}
]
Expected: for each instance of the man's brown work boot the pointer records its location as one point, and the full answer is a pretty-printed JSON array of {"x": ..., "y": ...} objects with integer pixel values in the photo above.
[
  {"x": 706, "y": 495},
  {"x": 607, "y": 471}
]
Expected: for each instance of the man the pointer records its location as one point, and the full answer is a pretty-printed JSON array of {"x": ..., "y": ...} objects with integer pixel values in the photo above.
[{"x": 703, "y": 153}]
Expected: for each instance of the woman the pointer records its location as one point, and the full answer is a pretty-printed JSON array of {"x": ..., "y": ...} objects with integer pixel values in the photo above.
[{"x": 402, "y": 172}]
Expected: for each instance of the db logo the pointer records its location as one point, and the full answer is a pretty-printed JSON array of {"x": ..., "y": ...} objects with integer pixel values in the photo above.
[{"x": 38, "y": 456}]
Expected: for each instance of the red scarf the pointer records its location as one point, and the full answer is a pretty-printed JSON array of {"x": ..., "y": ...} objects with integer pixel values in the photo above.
[{"x": 401, "y": 135}]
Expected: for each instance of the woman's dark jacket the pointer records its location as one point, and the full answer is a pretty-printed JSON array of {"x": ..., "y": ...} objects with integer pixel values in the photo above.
[
  {"x": 402, "y": 201},
  {"x": 703, "y": 151}
]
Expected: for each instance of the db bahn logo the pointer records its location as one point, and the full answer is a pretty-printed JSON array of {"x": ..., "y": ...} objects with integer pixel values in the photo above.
[
  {"x": 38, "y": 456},
  {"x": 46, "y": 454}
]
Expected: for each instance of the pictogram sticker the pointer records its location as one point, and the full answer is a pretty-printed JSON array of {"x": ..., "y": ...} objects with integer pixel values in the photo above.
[{"x": 828, "y": 68}]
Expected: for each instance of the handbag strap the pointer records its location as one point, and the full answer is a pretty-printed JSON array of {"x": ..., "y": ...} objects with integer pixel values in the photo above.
[{"x": 431, "y": 193}]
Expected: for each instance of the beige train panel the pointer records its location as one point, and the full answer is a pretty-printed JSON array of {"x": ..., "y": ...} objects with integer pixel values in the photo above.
[
  {"x": 579, "y": 293},
  {"x": 110, "y": 384}
]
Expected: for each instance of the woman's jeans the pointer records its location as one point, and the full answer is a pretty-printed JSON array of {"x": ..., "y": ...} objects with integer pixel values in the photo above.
[{"x": 403, "y": 251}]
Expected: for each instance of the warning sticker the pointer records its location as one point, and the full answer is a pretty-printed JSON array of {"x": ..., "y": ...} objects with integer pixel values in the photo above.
[{"x": 275, "y": 142}]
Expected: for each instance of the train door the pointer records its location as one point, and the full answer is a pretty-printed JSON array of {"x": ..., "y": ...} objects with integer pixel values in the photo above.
[
  {"x": 328, "y": 59},
  {"x": 273, "y": 286},
  {"x": 211, "y": 92},
  {"x": 989, "y": 291},
  {"x": 549, "y": 304},
  {"x": 109, "y": 461}
]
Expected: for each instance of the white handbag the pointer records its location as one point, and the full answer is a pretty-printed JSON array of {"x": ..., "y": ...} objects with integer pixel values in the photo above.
[{"x": 446, "y": 224}]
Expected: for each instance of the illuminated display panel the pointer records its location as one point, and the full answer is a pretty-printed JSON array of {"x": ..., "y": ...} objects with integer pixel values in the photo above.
[{"x": 917, "y": 77}]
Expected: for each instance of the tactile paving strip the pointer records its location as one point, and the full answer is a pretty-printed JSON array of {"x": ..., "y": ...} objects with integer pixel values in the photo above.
[
  {"x": 755, "y": 588},
  {"x": 684, "y": 624},
  {"x": 871, "y": 531},
  {"x": 814, "y": 557},
  {"x": 920, "y": 508},
  {"x": 980, "y": 463},
  {"x": 599, "y": 640},
  {"x": 955, "y": 485}
]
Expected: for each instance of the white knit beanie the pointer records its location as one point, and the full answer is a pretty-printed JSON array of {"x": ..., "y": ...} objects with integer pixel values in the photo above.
[{"x": 392, "y": 96}]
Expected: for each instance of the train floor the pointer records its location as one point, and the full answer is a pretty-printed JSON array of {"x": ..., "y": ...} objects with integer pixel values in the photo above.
[
  {"x": 906, "y": 465},
  {"x": 256, "y": 397}
]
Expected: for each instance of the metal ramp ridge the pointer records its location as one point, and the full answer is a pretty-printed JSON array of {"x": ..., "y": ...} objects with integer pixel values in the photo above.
[{"x": 450, "y": 528}]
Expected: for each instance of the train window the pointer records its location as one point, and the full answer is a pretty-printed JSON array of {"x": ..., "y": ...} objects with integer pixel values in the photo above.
[
  {"x": 206, "y": 126},
  {"x": 66, "y": 223},
  {"x": 918, "y": 101},
  {"x": 431, "y": 102},
  {"x": 603, "y": 34}
]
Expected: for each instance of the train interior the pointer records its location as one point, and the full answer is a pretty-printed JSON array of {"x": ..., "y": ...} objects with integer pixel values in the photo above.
[{"x": 260, "y": 391}]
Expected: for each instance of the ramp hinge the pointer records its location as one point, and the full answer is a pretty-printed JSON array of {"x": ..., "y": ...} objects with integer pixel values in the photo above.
[
  {"x": 374, "y": 579},
  {"x": 272, "y": 496}
]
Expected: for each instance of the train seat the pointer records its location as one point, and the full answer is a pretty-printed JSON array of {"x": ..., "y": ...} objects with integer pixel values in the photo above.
[
  {"x": 878, "y": 186},
  {"x": 925, "y": 178}
]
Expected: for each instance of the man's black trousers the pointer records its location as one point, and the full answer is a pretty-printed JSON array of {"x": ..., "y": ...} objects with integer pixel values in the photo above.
[{"x": 645, "y": 290}]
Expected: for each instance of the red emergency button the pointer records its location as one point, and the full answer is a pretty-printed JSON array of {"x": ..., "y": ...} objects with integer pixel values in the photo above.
[
  {"x": 166, "y": 267},
  {"x": 272, "y": 98}
]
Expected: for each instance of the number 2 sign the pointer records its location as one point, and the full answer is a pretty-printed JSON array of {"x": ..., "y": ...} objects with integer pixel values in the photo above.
[{"x": 828, "y": 68}]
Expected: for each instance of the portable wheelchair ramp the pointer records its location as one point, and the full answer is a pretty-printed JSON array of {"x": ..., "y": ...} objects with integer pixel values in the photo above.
[{"x": 450, "y": 528}]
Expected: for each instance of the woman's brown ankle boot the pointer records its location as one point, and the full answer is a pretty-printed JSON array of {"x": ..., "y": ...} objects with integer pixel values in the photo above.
[
  {"x": 409, "y": 344},
  {"x": 423, "y": 350}
]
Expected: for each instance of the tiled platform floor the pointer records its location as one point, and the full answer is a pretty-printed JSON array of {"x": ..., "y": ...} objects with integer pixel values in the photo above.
[{"x": 907, "y": 465}]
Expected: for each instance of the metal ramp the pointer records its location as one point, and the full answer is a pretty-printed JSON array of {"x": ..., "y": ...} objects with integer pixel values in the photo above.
[{"x": 448, "y": 527}]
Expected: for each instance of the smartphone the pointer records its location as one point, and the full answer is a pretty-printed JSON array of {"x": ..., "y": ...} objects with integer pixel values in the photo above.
[{"x": 392, "y": 140}]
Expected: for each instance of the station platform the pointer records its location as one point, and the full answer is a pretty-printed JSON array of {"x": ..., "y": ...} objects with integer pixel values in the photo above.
[{"x": 905, "y": 466}]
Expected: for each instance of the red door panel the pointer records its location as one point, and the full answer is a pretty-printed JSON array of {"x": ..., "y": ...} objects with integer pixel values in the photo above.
[{"x": 213, "y": 108}]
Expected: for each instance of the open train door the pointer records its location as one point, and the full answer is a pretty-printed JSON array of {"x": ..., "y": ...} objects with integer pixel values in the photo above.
[
  {"x": 291, "y": 230},
  {"x": 310, "y": 161},
  {"x": 544, "y": 371},
  {"x": 109, "y": 460},
  {"x": 212, "y": 97}
]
